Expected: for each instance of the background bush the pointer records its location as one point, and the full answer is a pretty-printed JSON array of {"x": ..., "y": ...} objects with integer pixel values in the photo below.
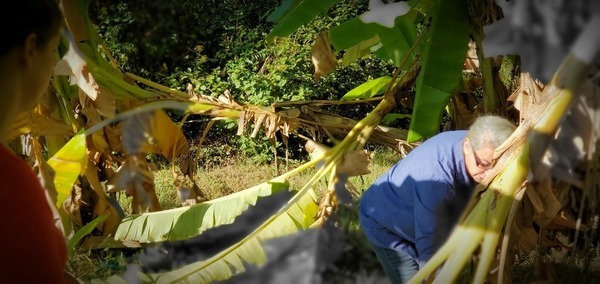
[{"x": 220, "y": 45}]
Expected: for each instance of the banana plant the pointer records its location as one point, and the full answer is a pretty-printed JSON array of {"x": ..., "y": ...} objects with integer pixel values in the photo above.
[
  {"x": 482, "y": 224},
  {"x": 298, "y": 214},
  {"x": 389, "y": 30}
]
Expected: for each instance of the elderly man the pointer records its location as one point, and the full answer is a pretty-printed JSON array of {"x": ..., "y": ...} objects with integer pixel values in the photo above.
[{"x": 398, "y": 212}]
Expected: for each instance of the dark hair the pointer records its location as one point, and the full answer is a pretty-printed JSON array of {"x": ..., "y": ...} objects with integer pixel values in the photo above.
[{"x": 41, "y": 17}]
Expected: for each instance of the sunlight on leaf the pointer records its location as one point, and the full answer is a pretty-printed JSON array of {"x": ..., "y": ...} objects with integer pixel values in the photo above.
[
  {"x": 369, "y": 89},
  {"x": 73, "y": 65},
  {"x": 26, "y": 122},
  {"x": 68, "y": 163},
  {"x": 185, "y": 222},
  {"x": 359, "y": 50},
  {"x": 299, "y": 215}
]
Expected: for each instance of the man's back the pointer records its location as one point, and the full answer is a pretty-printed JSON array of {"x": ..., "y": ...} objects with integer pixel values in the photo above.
[{"x": 399, "y": 210}]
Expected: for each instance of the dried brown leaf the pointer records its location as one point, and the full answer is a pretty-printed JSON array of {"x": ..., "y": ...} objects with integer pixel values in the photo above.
[
  {"x": 355, "y": 163},
  {"x": 136, "y": 178},
  {"x": 259, "y": 119},
  {"x": 102, "y": 206},
  {"x": 42, "y": 125},
  {"x": 105, "y": 102},
  {"x": 73, "y": 65},
  {"x": 272, "y": 123},
  {"x": 154, "y": 132},
  {"x": 472, "y": 61},
  {"x": 544, "y": 201},
  {"x": 526, "y": 95},
  {"x": 243, "y": 120},
  {"x": 322, "y": 56}
]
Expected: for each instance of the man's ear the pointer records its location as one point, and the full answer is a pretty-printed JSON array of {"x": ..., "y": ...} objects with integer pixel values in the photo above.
[
  {"x": 467, "y": 145},
  {"x": 29, "y": 49}
]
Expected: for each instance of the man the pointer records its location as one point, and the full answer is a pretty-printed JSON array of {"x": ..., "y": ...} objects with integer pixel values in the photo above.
[{"x": 398, "y": 211}]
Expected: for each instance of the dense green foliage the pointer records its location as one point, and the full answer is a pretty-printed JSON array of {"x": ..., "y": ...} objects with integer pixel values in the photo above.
[{"x": 221, "y": 45}]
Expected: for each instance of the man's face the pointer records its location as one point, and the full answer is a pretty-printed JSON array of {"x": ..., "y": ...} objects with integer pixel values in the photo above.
[{"x": 478, "y": 161}]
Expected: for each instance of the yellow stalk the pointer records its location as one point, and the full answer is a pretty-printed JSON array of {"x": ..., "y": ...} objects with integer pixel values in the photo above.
[
  {"x": 488, "y": 251},
  {"x": 470, "y": 238},
  {"x": 443, "y": 253},
  {"x": 103, "y": 76},
  {"x": 470, "y": 232}
]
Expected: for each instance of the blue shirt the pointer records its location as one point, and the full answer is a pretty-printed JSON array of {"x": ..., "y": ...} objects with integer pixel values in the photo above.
[{"x": 398, "y": 211}]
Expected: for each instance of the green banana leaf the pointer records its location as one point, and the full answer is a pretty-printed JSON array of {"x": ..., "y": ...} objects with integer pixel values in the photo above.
[
  {"x": 85, "y": 230},
  {"x": 350, "y": 33},
  {"x": 282, "y": 10},
  {"x": 396, "y": 41},
  {"x": 391, "y": 117},
  {"x": 300, "y": 15},
  {"x": 359, "y": 50},
  {"x": 368, "y": 89},
  {"x": 185, "y": 222},
  {"x": 443, "y": 59},
  {"x": 68, "y": 163},
  {"x": 298, "y": 215}
]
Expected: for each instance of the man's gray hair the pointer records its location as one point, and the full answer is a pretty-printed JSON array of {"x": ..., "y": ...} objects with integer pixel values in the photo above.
[{"x": 489, "y": 131}]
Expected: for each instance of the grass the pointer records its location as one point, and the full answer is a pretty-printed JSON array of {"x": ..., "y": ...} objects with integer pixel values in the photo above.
[
  {"x": 358, "y": 263},
  {"x": 235, "y": 175}
]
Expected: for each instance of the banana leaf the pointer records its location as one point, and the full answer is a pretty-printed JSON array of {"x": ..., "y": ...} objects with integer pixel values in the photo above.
[
  {"x": 298, "y": 215},
  {"x": 300, "y": 15},
  {"x": 68, "y": 163},
  {"x": 282, "y": 10},
  {"x": 359, "y": 50},
  {"x": 443, "y": 59},
  {"x": 81, "y": 233},
  {"x": 396, "y": 41},
  {"x": 369, "y": 89},
  {"x": 185, "y": 222}
]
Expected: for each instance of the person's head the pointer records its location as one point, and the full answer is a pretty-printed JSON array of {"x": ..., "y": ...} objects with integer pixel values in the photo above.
[
  {"x": 483, "y": 137},
  {"x": 30, "y": 30}
]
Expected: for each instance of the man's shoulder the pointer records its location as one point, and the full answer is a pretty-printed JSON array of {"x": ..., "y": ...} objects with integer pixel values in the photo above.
[
  {"x": 446, "y": 137},
  {"x": 452, "y": 133}
]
